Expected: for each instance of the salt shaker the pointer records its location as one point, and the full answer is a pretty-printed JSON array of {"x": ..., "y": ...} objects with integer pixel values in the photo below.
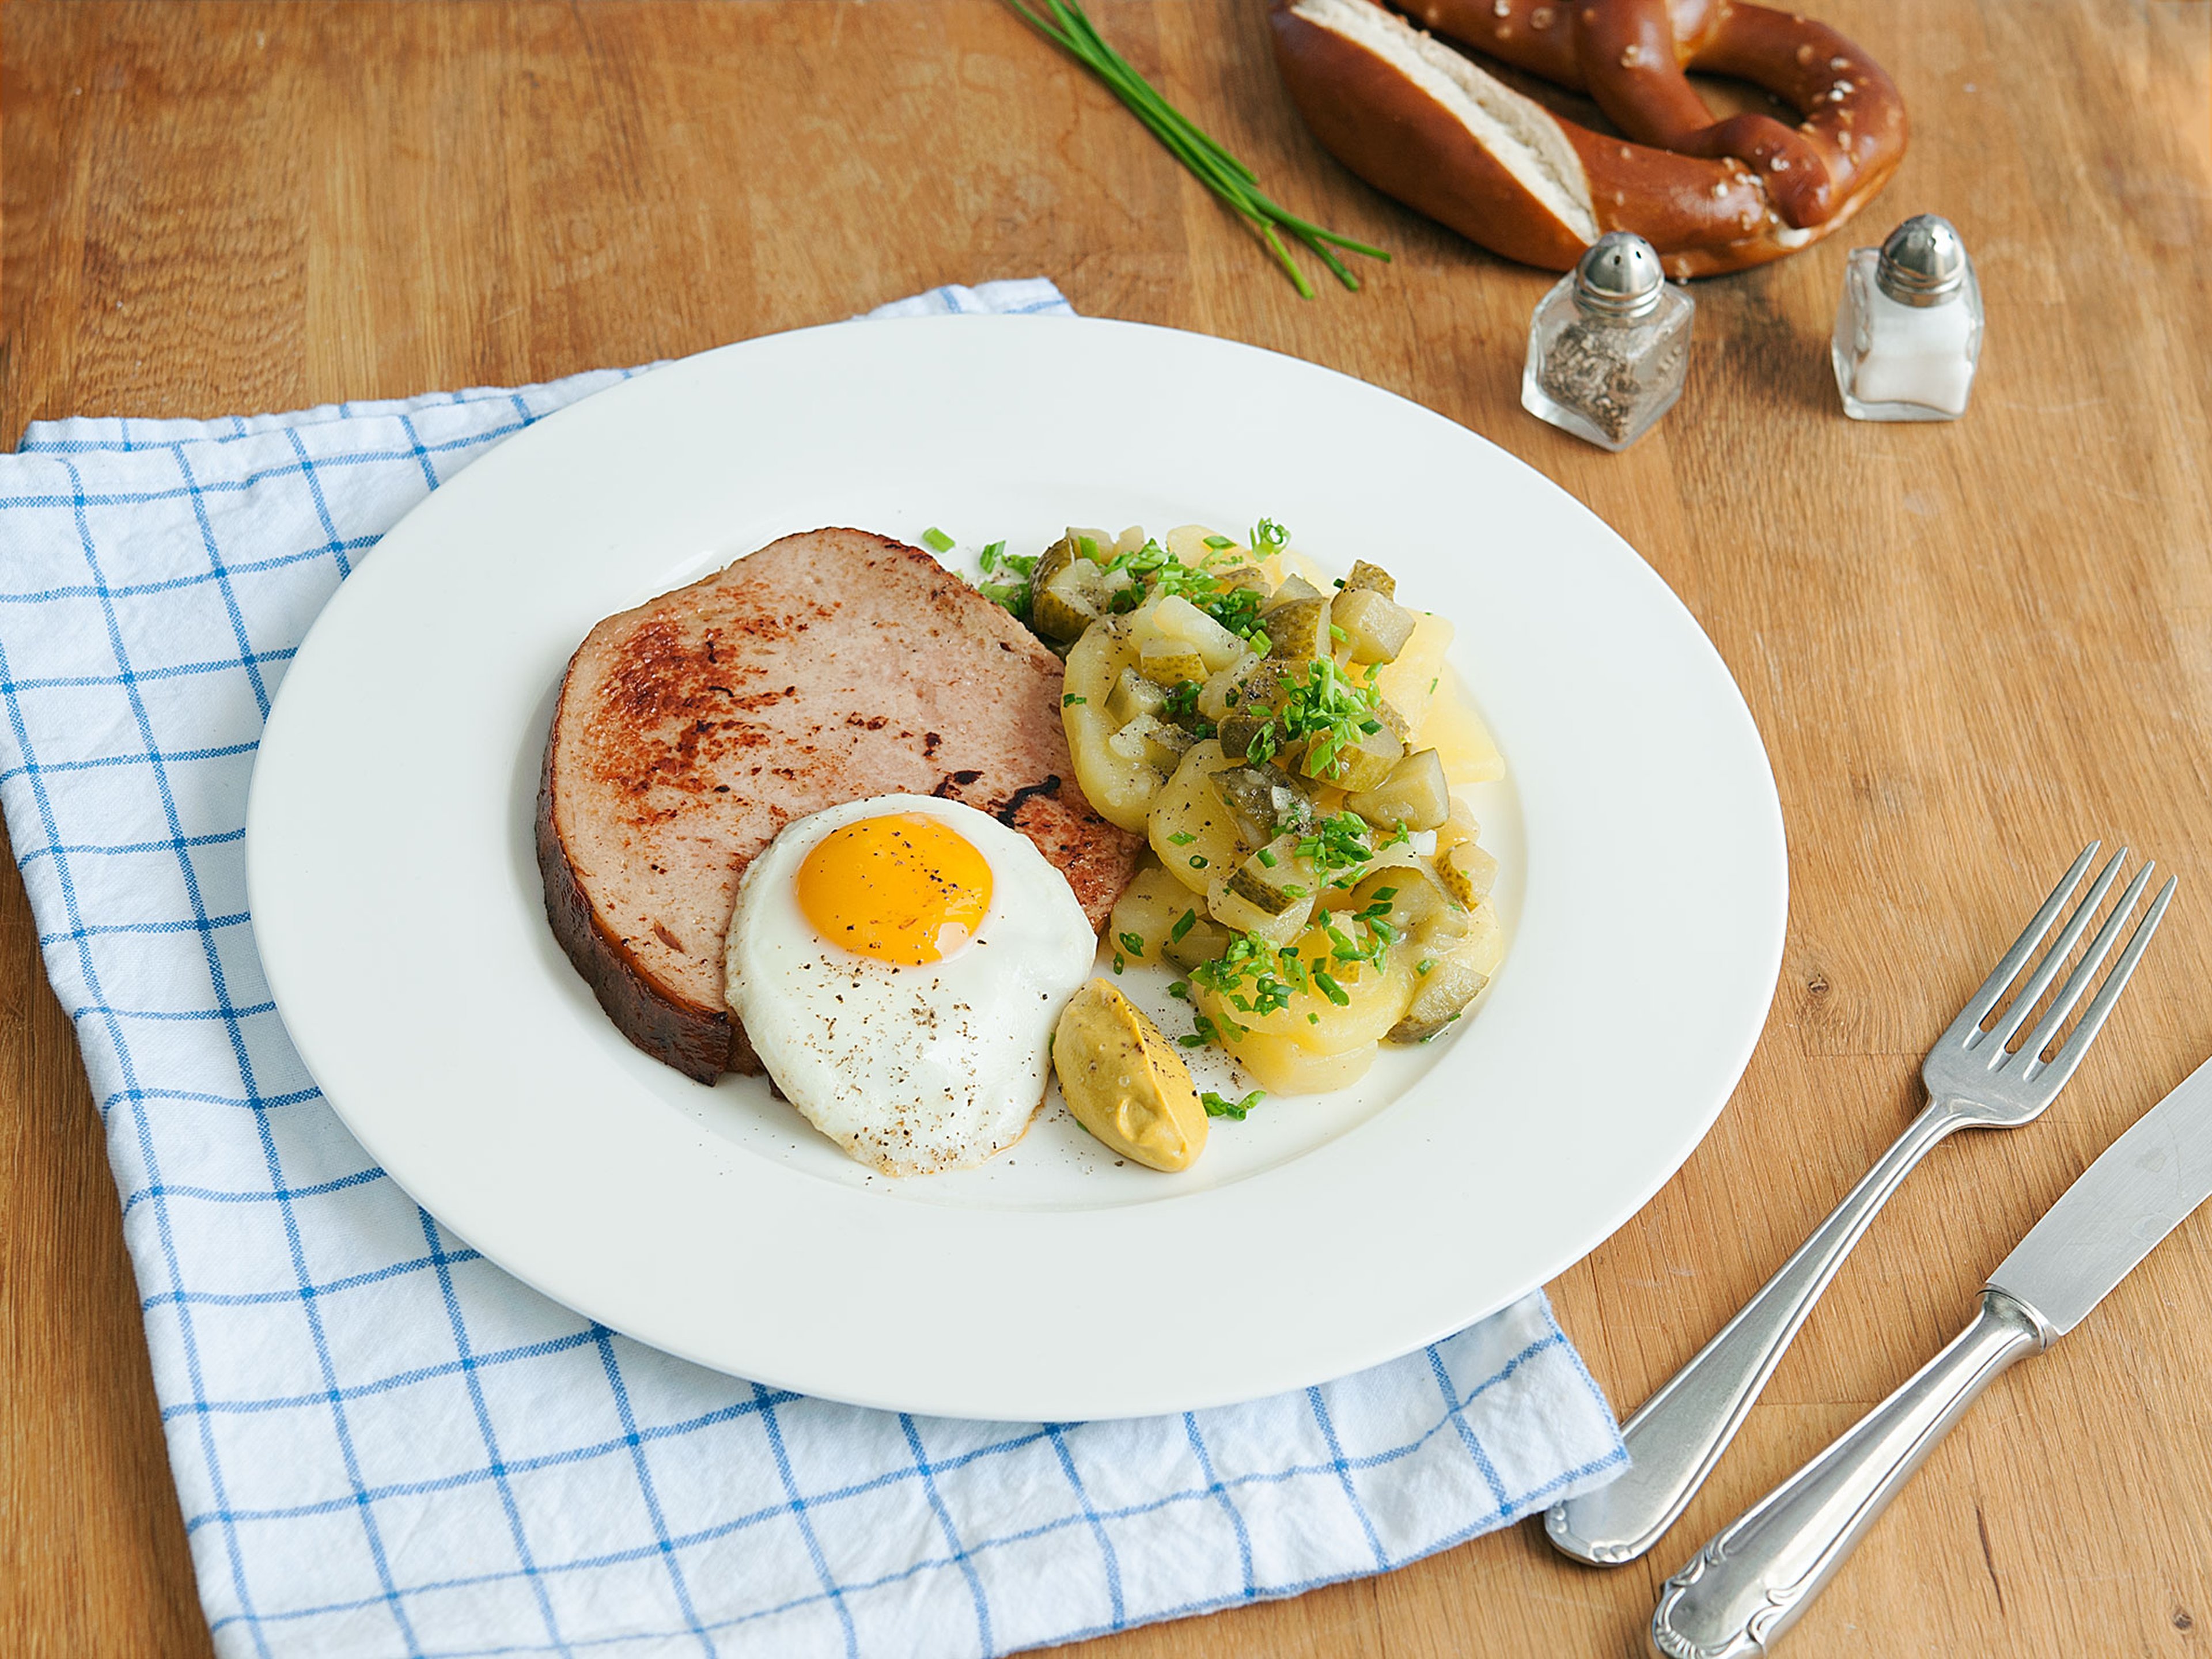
[
  {"x": 1909, "y": 328},
  {"x": 1608, "y": 345}
]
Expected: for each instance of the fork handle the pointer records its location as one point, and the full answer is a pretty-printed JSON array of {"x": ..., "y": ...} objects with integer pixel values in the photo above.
[
  {"x": 1751, "y": 1583},
  {"x": 1678, "y": 1433}
]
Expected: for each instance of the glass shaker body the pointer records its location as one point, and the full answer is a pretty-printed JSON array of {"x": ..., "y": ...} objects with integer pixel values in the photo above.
[
  {"x": 1901, "y": 362},
  {"x": 1606, "y": 378}
]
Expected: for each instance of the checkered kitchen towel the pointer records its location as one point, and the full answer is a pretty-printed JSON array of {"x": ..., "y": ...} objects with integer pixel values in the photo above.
[{"x": 383, "y": 1446}]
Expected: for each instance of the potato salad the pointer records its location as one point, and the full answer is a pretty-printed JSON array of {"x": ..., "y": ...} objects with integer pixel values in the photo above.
[{"x": 1288, "y": 744}]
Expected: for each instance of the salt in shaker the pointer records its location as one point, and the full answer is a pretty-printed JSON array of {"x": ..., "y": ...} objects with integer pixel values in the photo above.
[
  {"x": 1909, "y": 326},
  {"x": 1608, "y": 345}
]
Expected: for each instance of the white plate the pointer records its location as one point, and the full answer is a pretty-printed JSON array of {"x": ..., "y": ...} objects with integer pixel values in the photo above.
[{"x": 399, "y": 913}]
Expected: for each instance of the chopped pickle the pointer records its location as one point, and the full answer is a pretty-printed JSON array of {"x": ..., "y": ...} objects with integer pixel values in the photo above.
[
  {"x": 1170, "y": 662},
  {"x": 1420, "y": 908},
  {"x": 1236, "y": 731},
  {"x": 1298, "y": 632},
  {"x": 1392, "y": 722},
  {"x": 1067, "y": 591},
  {"x": 1415, "y": 794},
  {"x": 1124, "y": 1081},
  {"x": 1153, "y": 740},
  {"x": 1375, "y": 628},
  {"x": 1440, "y": 996},
  {"x": 1467, "y": 873},
  {"x": 1371, "y": 578},
  {"x": 1277, "y": 880},
  {"x": 1240, "y": 574},
  {"x": 1251, "y": 901},
  {"x": 1225, "y": 689},
  {"x": 1134, "y": 695},
  {"x": 1251, "y": 690},
  {"x": 1263, "y": 801},
  {"x": 1294, "y": 587},
  {"x": 1356, "y": 766}
]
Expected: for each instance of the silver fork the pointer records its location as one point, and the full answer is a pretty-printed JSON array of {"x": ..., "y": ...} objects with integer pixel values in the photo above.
[{"x": 1974, "y": 1081}]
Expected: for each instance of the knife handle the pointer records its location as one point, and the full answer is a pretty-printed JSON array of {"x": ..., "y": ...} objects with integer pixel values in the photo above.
[
  {"x": 1753, "y": 1581},
  {"x": 1679, "y": 1433}
]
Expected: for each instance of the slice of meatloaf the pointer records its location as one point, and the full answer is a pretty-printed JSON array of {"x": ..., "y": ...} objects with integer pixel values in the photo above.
[{"x": 825, "y": 667}]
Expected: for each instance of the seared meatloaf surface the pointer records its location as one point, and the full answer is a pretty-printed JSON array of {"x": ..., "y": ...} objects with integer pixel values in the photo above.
[{"x": 826, "y": 666}]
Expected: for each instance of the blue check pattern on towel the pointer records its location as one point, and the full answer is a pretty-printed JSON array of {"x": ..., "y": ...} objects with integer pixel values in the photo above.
[{"x": 383, "y": 1446}]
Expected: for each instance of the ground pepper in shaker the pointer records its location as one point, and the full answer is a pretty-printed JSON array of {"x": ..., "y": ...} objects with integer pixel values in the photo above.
[
  {"x": 1909, "y": 326},
  {"x": 1608, "y": 345}
]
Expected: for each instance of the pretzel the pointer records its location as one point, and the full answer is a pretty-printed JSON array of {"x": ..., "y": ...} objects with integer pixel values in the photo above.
[{"x": 1431, "y": 127}]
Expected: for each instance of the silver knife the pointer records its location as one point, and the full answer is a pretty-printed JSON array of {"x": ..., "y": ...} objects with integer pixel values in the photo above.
[{"x": 1753, "y": 1581}]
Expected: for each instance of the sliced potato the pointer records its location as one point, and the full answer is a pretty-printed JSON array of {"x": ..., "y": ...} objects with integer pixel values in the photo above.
[
  {"x": 1409, "y": 680},
  {"x": 1124, "y": 1081},
  {"x": 1460, "y": 738},
  {"x": 1458, "y": 827},
  {"x": 1120, "y": 785},
  {"x": 1190, "y": 829},
  {"x": 1415, "y": 794},
  {"x": 1375, "y": 999},
  {"x": 1187, "y": 543},
  {"x": 1148, "y": 910},
  {"x": 1177, "y": 619},
  {"x": 1284, "y": 1067},
  {"x": 1203, "y": 940}
]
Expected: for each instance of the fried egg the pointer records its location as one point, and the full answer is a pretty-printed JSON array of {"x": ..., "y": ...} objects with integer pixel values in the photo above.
[{"x": 899, "y": 963}]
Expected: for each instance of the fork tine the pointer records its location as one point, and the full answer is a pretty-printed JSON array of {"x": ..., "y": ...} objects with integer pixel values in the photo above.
[
  {"x": 2054, "y": 1075},
  {"x": 2022, "y": 1006},
  {"x": 1966, "y": 1029},
  {"x": 2046, "y": 1029}
]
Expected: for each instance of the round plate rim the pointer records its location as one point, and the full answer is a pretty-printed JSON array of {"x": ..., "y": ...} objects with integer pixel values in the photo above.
[{"x": 927, "y": 1376}]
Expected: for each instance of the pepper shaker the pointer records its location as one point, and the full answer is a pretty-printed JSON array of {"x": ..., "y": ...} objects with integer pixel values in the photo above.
[
  {"x": 1608, "y": 345},
  {"x": 1909, "y": 326}
]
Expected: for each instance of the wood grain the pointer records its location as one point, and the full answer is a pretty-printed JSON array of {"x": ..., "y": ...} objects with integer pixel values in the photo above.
[{"x": 1968, "y": 647}]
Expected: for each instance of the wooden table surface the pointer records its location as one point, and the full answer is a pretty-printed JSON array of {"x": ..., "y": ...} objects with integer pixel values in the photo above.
[{"x": 1969, "y": 647}]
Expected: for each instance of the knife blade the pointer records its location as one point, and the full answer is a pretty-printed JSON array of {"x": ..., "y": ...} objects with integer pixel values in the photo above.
[
  {"x": 2141, "y": 1187},
  {"x": 1735, "y": 1597}
]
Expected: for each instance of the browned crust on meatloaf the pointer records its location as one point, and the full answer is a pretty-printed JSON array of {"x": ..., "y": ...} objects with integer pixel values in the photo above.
[
  {"x": 687, "y": 752},
  {"x": 700, "y": 1043}
]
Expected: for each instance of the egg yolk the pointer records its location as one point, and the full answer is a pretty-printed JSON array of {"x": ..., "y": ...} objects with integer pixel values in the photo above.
[{"x": 905, "y": 888}]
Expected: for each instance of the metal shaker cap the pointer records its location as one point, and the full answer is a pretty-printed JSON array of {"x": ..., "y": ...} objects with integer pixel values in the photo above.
[
  {"x": 1923, "y": 263},
  {"x": 1618, "y": 277}
]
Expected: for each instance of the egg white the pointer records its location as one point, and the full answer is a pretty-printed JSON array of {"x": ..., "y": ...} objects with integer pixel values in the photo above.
[{"x": 912, "y": 1069}]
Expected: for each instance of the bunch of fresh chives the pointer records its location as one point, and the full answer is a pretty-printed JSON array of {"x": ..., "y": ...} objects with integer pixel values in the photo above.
[{"x": 1214, "y": 166}]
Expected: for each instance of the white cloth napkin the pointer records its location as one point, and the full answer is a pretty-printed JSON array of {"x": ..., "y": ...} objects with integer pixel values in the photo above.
[{"x": 383, "y": 1446}]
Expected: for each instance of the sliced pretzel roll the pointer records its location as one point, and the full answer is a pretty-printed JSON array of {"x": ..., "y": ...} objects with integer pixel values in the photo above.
[{"x": 1428, "y": 125}]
